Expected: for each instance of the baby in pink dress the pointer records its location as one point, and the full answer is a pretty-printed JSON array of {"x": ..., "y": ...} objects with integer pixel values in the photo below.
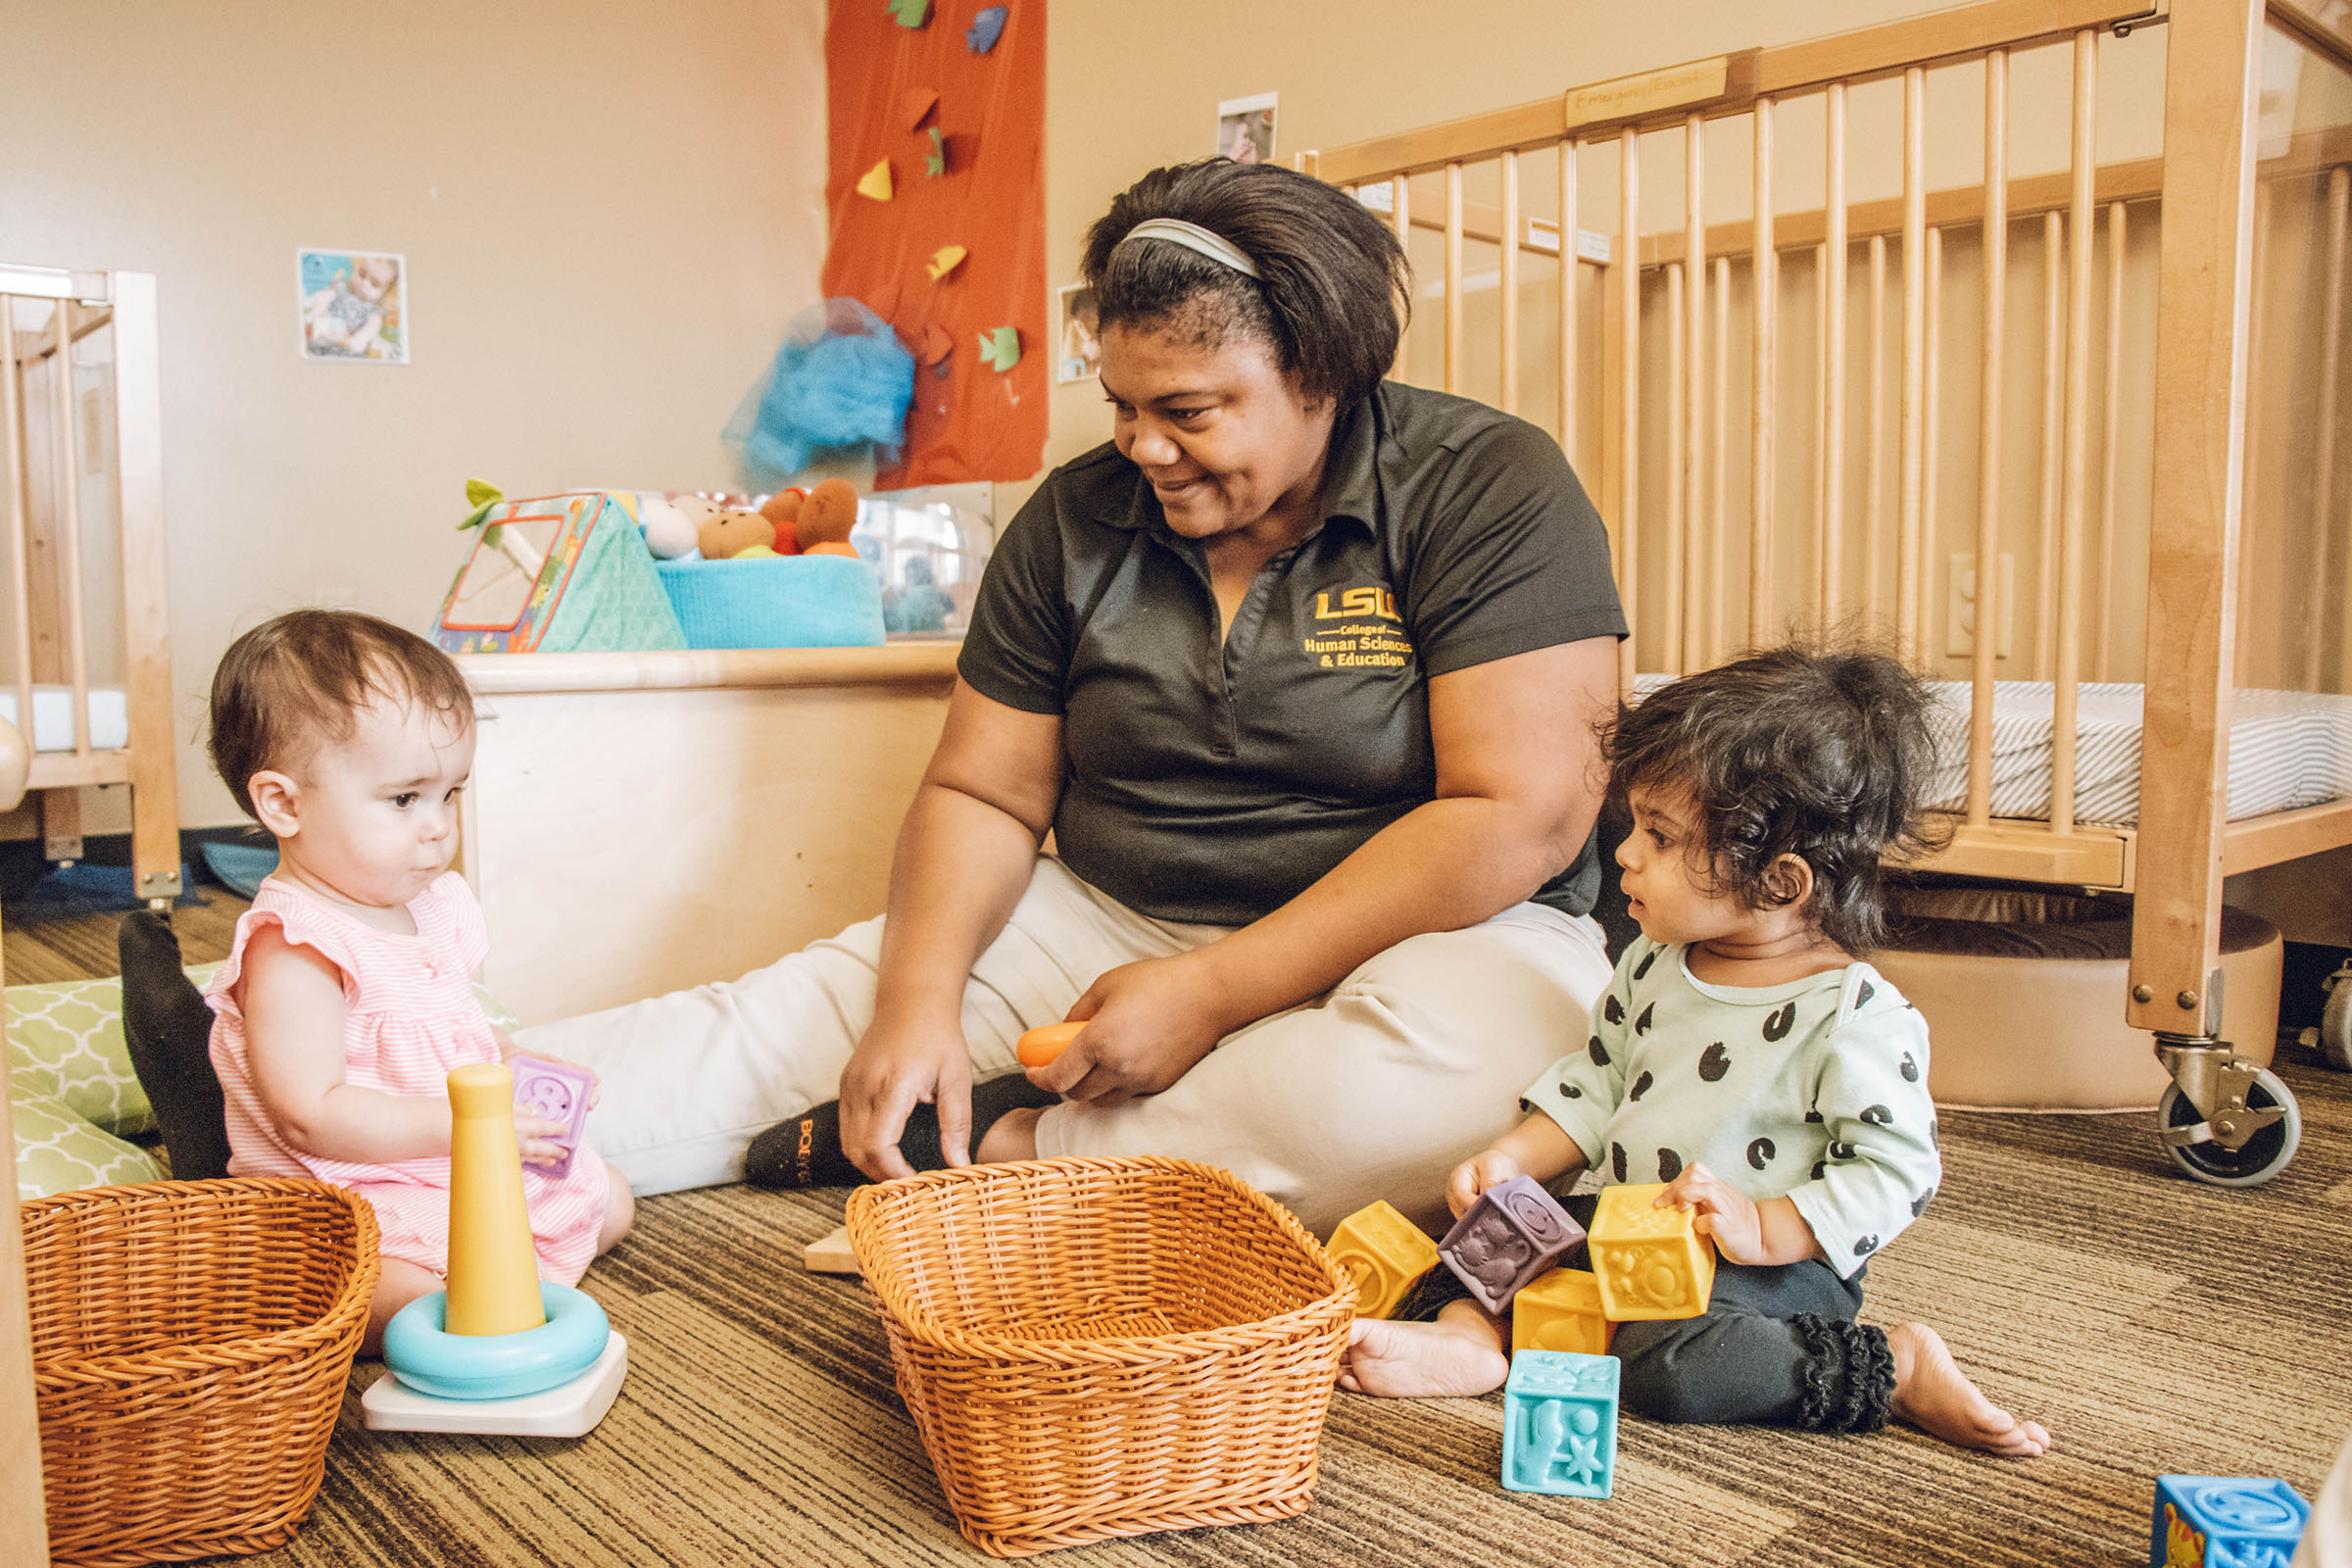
[{"x": 348, "y": 995}]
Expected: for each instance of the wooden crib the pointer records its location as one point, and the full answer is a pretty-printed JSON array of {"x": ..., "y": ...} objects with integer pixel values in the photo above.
[
  {"x": 1867, "y": 330},
  {"x": 88, "y": 644}
]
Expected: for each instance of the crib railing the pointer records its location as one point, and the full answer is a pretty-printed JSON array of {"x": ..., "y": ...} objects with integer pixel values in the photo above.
[{"x": 44, "y": 313}]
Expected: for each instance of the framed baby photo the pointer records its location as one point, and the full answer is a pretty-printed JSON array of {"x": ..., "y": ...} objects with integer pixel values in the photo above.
[
  {"x": 1245, "y": 129},
  {"x": 1080, "y": 352},
  {"x": 354, "y": 306}
]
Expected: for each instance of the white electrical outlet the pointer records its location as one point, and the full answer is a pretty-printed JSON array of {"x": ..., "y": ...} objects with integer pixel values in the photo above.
[{"x": 1960, "y": 606}]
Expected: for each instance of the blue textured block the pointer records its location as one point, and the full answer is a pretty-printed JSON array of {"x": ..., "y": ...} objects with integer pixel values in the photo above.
[
  {"x": 2226, "y": 1522},
  {"x": 1559, "y": 1424}
]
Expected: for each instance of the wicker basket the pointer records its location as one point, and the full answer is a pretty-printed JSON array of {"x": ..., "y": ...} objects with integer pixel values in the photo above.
[
  {"x": 190, "y": 1345},
  {"x": 1101, "y": 1347}
]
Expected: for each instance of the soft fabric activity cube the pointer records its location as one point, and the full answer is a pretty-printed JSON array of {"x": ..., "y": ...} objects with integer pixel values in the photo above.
[
  {"x": 1561, "y": 1311},
  {"x": 1650, "y": 1262},
  {"x": 554, "y": 575},
  {"x": 820, "y": 600},
  {"x": 1559, "y": 1424},
  {"x": 2226, "y": 1522},
  {"x": 1383, "y": 1253},
  {"x": 1513, "y": 1233}
]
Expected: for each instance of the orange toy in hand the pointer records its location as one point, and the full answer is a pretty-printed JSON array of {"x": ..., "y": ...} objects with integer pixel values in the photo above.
[{"x": 1039, "y": 1046}]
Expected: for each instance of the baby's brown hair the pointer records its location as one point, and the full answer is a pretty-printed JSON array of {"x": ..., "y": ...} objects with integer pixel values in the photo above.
[{"x": 294, "y": 684}]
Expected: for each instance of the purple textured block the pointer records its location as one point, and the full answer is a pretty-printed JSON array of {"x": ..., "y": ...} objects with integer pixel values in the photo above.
[
  {"x": 1513, "y": 1233},
  {"x": 559, "y": 1093}
]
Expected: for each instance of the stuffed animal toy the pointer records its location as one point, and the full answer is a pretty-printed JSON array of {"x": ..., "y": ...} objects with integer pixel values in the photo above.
[
  {"x": 667, "y": 532},
  {"x": 826, "y": 519},
  {"x": 730, "y": 533},
  {"x": 783, "y": 509}
]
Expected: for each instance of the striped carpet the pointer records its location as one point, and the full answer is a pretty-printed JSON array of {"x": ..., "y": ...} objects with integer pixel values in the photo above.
[{"x": 2155, "y": 1324}]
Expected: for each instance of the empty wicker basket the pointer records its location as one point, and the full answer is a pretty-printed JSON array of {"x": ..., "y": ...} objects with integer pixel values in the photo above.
[
  {"x": 1099, "y": 1347},
  {"x": 191, "y": 1345}
]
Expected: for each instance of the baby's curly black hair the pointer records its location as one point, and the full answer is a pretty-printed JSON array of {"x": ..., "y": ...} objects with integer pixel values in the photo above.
[{"x": 1791, "y": 751}]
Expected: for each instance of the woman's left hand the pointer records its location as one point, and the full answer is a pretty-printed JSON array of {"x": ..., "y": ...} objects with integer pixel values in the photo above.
[{"x": 1146, "y": 1023}]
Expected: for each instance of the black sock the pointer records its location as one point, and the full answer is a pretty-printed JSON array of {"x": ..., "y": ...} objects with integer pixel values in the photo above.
[
  {"x": 169, "y": 1030},
  {"x": 806, "y": 1152}
]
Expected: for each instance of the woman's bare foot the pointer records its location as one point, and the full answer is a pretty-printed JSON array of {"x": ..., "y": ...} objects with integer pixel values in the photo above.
[
  {"x": 1457, "y": 1356},
  {"x": 1933, "y": 1394},
  {"x": 1013, "y": 1137}
]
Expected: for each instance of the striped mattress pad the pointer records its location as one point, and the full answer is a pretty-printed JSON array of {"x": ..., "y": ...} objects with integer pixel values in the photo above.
[{"x": 2287, "y": 750}]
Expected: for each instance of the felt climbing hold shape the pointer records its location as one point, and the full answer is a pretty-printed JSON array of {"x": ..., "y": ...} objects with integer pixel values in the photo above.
[
  {"x": 936, "y": 346},
  {"x": 944, "y": 261},
  {"x": 986, "y": 28},
  {"x": 910, "y": 12},
  {"x": 917, "y": 105},
  {"x": 1001, "y": 348},
  {"x": 935, "y": 163},
  {"x": 875, "y": 182}
]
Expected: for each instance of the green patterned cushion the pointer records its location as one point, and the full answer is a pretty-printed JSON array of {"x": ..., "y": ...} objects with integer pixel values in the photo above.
[{"x": 58, "y": 1152}]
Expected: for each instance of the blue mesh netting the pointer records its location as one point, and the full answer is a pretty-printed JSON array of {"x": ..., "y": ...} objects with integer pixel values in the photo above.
[{"x": 841, "y": 378}]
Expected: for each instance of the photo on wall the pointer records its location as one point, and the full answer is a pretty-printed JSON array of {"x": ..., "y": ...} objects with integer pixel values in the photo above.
[
  {"x": 354, "y": 305},
  {"x": 1081, "y": 349},
  {"x": 1245, "y": 129}
]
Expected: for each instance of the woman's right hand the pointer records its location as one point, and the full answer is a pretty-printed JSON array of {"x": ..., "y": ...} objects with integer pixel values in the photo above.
[
  {"x": 897, "y": 1066},
  {"x": 1475, "y": 1175}
]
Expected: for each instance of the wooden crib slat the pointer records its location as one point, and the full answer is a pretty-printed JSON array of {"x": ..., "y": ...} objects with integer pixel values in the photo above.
[
  {"x": 69, "y": 533},
  {"x": 146, "y": 620},
  {"x": 1677, "y": 495},
  {"x": 2250, "y": 489},
  {"x": 2110, "y": 443},
  {"x": 1569, "y": 266},
  {"x": 1986, "y": 644},
  {"x": 1684, "y": 575},
  {"x": 1832, "y": 349},
  {"x": 1764, "y": 282},
  {"x": 1924, "y": 614},
  {"x": 1915, "y": 342},
  {"x": 2067, "y": 670},
  {"x": 1713, "y": 563},
  {"x": 1400, "y": 220},
  {"x": 1873, "y": 456},
  {"x": 1818, "y": 612},
  {"x": 2053, "y": 353},
  {"x": 1509, "y": 281},
  {"x": 20, "y": 508},
  {"x": 2317, "y": 583},
  {"x": 1454, "y": 278},
  {"x": 1626, "y": 267}
]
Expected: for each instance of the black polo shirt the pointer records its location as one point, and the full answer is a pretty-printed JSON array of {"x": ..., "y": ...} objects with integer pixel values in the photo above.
[{"x": 1215, "y": 781}]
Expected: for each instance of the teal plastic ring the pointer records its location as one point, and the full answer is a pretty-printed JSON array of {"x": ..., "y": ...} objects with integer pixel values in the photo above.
[{"x": 420, "y": 1349}]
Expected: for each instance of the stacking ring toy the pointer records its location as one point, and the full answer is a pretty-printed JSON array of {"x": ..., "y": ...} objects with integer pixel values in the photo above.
[
  {"x": 1041, "y": 1046},
  {"x": 427, "y": 1358}
]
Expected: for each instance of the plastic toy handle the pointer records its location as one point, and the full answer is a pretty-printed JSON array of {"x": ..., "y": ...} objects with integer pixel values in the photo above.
[{"x": 1041, "y": 1046}]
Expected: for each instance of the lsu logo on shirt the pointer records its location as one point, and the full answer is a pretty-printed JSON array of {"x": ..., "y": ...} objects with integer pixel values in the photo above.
[{"x": 1368, "y": 636}]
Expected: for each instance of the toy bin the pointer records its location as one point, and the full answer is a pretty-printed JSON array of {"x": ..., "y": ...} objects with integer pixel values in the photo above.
[
  {"x": 1101, "y": 1348},
  {"x": 823, "y": 601},
  {"x": 190, "y": 1345}
]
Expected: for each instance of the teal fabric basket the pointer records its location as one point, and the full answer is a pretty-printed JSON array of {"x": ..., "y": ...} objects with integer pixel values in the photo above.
[{"x": 776, "y": 602}]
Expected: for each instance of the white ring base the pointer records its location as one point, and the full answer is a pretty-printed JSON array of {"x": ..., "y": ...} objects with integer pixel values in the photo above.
[{"x": 568, "y": 1410}]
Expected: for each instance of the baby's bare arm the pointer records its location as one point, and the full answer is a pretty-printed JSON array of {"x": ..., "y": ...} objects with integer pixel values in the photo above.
[{"x": 1538, "y": 1147}]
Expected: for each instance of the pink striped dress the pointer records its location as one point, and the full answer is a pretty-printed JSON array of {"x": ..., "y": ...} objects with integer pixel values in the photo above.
[{"x": 412, "y": 1017}]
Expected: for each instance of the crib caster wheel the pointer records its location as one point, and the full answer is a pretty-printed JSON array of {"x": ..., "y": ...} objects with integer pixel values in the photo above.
[
  {"x": 2263, "y": 1156},
  {"x": 2336, "y": 1024}
]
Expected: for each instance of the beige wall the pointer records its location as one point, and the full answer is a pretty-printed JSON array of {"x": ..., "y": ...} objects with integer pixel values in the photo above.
[{"x": 609, "y": 213}]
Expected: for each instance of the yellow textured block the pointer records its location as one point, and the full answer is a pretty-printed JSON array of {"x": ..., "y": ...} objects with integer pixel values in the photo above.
[
  {"x": 492, "y": 1270},
  {"x": 1385, "y": 1252},
  {"x": 1561, "y": 1311},
  {"x": 874, "y": 184},
  {"x": 1649, "y": 1263}
]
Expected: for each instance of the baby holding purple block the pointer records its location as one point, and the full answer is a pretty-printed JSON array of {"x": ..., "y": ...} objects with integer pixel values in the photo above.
[{"x": 1507, "y": 1240}]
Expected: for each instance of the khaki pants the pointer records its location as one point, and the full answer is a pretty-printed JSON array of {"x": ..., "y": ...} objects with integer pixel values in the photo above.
[{"x": 1411, "y": 1064}]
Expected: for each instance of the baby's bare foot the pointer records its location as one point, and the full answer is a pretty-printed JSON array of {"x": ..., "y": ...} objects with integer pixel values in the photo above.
[
  {"x": 1438, "y": 1360},
  {"x": 1932, "y": 1394}
]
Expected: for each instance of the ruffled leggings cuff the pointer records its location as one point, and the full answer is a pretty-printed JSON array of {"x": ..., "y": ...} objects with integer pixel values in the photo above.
[{"x": 1848, "y": 1376}]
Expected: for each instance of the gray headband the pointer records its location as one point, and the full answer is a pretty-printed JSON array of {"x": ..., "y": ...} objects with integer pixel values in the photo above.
[{"x": 1193, "y": 237}]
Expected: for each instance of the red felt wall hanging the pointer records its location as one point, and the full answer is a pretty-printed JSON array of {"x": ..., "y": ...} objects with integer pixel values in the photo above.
[{"x": 962, "y": 132}]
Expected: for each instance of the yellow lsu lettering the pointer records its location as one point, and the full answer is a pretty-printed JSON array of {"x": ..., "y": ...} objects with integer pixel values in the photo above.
[{"x": 1378, "y": 601}]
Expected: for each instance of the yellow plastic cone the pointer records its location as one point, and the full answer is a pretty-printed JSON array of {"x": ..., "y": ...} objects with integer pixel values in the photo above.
[{"x": 493, "y": 1271}]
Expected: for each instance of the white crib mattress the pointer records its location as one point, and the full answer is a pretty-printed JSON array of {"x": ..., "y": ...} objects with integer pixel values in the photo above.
[
  {"x": 53, "y": 718},
  {"x": 2287, "y": 750}
]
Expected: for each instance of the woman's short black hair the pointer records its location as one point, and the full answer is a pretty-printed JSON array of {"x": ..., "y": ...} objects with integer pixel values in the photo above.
[
  {"x": 1819, "y": 755},
  {"x": 1334, "y": 288}
]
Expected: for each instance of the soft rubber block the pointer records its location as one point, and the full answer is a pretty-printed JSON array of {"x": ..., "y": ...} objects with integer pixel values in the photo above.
[{"x": 568, "y": 1410}]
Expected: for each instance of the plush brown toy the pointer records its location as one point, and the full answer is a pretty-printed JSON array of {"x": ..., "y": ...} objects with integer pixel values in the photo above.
[
  {"x": 730, "y": 533},
  {"x": 826, "y": 519},
  {"x": 783, "y": 510}
]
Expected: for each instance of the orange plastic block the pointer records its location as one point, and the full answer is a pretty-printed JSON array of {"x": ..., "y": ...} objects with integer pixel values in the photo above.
[
  {"x": 1385, "y": 1252},
  {"x": 1649, "y": 1263},
  {"x": 1561, "y": 1311}
]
